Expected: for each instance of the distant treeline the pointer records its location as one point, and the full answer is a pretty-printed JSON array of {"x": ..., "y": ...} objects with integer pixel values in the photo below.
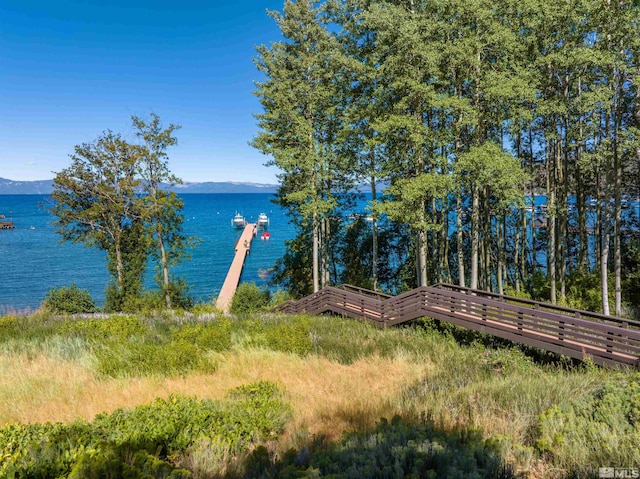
[{"x": 461, "y": 108}]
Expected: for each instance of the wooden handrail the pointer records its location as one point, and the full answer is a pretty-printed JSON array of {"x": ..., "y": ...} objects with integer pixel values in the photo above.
[
  {"x": 606, "y": 340},
  {"x": 540, "y": 304},
  {"x": 368, "y": 292}
]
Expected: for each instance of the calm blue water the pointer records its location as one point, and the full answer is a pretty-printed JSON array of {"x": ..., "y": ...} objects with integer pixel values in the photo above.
[{"x": 33, "y": 261}]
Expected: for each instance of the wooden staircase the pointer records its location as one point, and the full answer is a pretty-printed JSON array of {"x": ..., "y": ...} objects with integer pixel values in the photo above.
[{"x": 606, "y": 340}]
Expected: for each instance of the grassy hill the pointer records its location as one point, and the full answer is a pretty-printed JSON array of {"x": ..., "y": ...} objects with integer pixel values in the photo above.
[{"x": 296, "y": 396}]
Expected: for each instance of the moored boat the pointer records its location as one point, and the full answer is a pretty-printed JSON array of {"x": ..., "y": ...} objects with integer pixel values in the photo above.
[
  {"x": 263, "y": 220},
  {"x": 265, "y": 236},
  {"x": 238, "y": 221}
]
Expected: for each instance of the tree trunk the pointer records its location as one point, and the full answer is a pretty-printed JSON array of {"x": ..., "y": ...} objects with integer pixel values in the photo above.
[
  {"x": 499, "y": 245},
  {"x": 422, "y": 258},
  {"x": 119, "y": 265},
  {"x": 617, "y": 218},
  {"x": 460, "y": 241},
  {"x": 604, "y": 260},
  {"x": 475, "y": 220},
  {"x": 374, "y": 224},
  {"x": 551, "y": 225},
  {"x": 315, "y": 251},
  {"x": 165, "y": 268}
]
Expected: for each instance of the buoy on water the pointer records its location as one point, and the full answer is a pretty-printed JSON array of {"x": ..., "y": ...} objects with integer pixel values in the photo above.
[{"x": 265, "y": 236}]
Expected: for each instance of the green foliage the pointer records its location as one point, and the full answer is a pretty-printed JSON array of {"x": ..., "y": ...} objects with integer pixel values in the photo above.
[
  {"x": 123, "y": 462},
  {"x": 179, "y": 293},
  {"x": 9, "y": 327},
  {"x": 601, "y": 427},
  {"x": 566, "y": 415},
  {"x": 279, "y": 297},
  {"x": 125, "y": 346},
  {"x": 490, "y": 168},
  {"x": 249, "y": 298},
  {"x": 393, "y": 449},
  {"x": 162, "y": 210},
  {"x": 148, "y": 302},
  {"x": 355, "y": 252},
  {"x": 584, "y": 291},
  {"x": 631, "y": 270},
  {"x": 290, "y": 338},
  {"x": 348, "y": 341},
  {"x": 116, "y": 328},
  {"x": 96, "y": 202},
  {"x": 408, "y": 196},
  {"x": 510, "y": 291},
  {"x": 147, "y": 359},
  {"x": 293, "y": 270},
  {"x": 200, "y": 309},
  {"x": 69, "y": 299},
  {"x": 213, "y": 335},
  {"x": 143, "y": 442}
]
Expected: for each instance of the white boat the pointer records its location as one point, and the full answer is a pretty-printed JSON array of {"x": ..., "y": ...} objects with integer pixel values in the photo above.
[
  {"x": 238, "y": 221},
  {"x": 263, "y": 220}
]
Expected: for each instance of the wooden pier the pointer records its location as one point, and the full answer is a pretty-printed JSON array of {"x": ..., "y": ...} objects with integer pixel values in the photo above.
[
  {"x": 6, "y": 224},
  {"x": 243, "y": 245}
]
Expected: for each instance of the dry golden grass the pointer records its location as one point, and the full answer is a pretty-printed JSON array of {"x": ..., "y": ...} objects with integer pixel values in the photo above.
[{"x": 328, "y": 398}]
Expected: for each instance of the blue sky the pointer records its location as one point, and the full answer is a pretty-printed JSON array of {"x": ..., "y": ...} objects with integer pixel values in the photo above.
[{"x": 71, "y": 69}]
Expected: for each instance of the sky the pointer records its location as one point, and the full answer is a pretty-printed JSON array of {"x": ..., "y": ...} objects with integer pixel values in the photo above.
[{"x": 72, "y": 69}]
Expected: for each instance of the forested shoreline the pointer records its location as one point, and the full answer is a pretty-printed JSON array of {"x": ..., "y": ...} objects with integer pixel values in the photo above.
[{"x": 460, "y": 112}]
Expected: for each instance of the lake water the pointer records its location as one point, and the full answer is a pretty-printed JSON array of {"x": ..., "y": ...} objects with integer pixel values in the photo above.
[{"x": 33, "y": 260}]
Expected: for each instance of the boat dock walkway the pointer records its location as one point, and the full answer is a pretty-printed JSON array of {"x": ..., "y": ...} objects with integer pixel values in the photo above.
[{"x": 243, "y": 245}]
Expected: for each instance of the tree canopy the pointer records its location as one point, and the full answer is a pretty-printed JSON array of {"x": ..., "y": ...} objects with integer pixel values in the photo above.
[
  {"x": 468, "y": 113},
  {"x": 110, "y": 198}
]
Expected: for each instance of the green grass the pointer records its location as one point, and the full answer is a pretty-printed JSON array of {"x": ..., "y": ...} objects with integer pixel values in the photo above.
[{"x": 480, "y": 399}]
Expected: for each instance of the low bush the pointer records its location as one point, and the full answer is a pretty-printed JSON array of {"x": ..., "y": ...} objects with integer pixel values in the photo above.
[
  {"x": 202, "y": 309},
  {"x": 292, "y": 337},
  {"x": 393, "y": 449},
  {"x": 8, "y": 327},
  {"x": 150, "y": 301},
  {"x": 597, "y": 429},
  {"x": 132, "y": 359},
  {"x": 212, "y": 336},
  {"x": 114, "y": 327},
  {"x": 69, "y": 299},
  {"x": 249, "y": 298},
  {"x": 279, "y": 297},
  {"x": 149, "y": 441}
]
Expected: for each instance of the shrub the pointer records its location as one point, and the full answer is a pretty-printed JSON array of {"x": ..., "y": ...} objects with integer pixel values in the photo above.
[
  {"x": 69, "y": 299},
  {"x": 213, "y": 336},
  {"x": 145, "y": 303},
  {"x": 249, "y": 298},
  {"x": 279, "y": 297},
  {"x": 598, "y": 429},
  {"x": 202, "y": 309},
  {"x": 290, "y": 338},
  {"x": 393, "y": 449},
  {"x": 8, "y": 327},
  {"x": 150, "y": 301},
  {"x": 143, "y": 442},
  {"x": 146, "y": 359},
  {"x": 113, "y": 327}
]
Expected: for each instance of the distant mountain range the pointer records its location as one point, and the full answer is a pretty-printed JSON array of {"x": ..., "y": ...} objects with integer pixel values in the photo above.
[{"x": 45, "y": 187}]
